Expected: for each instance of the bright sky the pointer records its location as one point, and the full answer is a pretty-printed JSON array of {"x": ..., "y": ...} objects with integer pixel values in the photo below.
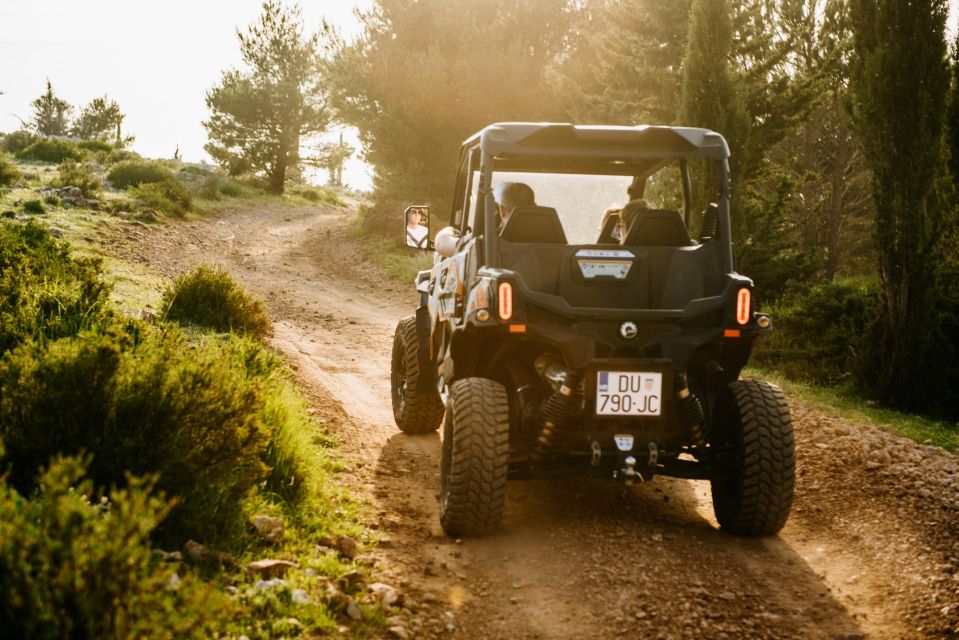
[{"x": 156, "y": 59}]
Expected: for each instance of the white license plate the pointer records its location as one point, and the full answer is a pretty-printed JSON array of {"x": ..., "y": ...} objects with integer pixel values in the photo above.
[{"x": 629, "y": 393}]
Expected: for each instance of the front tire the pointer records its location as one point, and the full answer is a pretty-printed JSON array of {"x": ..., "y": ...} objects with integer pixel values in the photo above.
[
  {"x": 475, "y": 458},
  {"x": 415, "y": 411},
  {"x": 755, "y": 465}
]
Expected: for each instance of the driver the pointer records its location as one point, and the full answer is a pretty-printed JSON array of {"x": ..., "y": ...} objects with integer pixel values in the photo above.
[
  {"x": 509, "y": 195},
  {"x": 416, "y": 232}
]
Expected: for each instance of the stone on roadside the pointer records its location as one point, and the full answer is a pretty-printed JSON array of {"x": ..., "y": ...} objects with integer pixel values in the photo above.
[
  {"x": 270, "y": 528},
  {"x": 351, "y": 580},
  {"x": 353, "y": 610},
  {"x": 399, "y": 632},
  {"x": 300, "y": 596},
  {"x": 270, "y": 585},
  {"x": 195, "y": 551},
  {"x": 173, "y": 582},
  {"x": 346, "y": 546},
  {"x": 271, "y": 568},
  {"x": 389, "y": 596}
]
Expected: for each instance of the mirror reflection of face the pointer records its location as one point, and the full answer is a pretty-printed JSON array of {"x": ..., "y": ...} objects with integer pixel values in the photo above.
[{"x": 414, "y": 218}]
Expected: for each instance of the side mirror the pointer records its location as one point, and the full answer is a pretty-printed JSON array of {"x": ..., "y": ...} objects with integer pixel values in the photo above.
[{"x": 416, "y": 228}]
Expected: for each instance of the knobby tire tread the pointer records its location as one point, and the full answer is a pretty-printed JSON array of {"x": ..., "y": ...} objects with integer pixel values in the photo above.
[
  {"x": 759, "y": 502},
  {"x": 420, "y": 412},
  {"x": 477, "y": 433}
]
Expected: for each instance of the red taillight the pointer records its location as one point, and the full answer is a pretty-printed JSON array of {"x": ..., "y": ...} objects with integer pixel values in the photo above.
[
  {"x": 505, "y": 301},
  {"x": 742, "y": 306}
]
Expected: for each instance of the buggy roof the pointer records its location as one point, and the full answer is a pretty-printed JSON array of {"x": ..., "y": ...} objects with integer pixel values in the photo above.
[{"x": 612, "y": 150}]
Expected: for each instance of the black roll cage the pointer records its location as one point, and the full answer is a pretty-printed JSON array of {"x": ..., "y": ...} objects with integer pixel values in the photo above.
[{"x": 602, "y": 150}]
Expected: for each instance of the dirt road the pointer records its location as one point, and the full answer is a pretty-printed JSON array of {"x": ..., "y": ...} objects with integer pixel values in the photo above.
[{"x": 871, "y": 549}]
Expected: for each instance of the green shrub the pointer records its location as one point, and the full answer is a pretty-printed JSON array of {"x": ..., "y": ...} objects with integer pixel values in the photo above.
[
  {"x": 18, "y": 141},
  {"x": 168, "y": 196},
  {"x": 74, "y": 564},
  {"x": 52, "y": 199},
  {"x": 210, "y": 189},
  {"x": 822, "y": 335},
  {"x": 9, "y": 173},
  {"x": 34, "y": 206},
  {"x": 119, "y": 155},
  {"x": 319, "y": 194},
  {"x": 233, "y": 189},
  {"x": 210, "y": 297},
  {"x": 83, "y": 176},
  {"x": 51, "y": 150},
  {"x": 44, "y": 292},
  {"x": 95, "y": 146},
  {"x": 150, "y": 402},
  {"x": 130, "y": 173}
]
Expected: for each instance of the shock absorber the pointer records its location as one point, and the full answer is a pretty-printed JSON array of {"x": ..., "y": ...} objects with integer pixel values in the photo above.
[
  {"x": 691, "y": 411},
  {"x": 556, "y": 413}
]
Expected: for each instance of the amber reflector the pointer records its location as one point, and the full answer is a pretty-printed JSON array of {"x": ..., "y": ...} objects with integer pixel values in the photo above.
[
  {"x": 517, "y": 328},
  {"x": 505, "y": 301},
  {"x": 742, "y": 306},
  {"x": 731, "y": 333}
]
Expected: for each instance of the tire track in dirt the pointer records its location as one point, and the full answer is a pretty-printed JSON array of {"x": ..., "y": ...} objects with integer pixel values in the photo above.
[{"x": 578, "y": 558}]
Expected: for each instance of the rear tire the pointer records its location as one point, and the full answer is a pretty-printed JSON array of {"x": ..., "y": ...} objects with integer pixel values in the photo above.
[
  {"x": 414, "y": 411},
  {"x": 755, "y": 468},
  {"x": 475, "y": 458}
]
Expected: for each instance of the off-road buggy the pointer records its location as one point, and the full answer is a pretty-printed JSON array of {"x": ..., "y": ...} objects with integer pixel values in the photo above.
[{"x": 546, "y": 347}]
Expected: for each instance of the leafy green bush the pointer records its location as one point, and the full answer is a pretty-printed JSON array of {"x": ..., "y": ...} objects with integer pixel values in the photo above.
[
  {"x": 210, "y": 297},
  {"x": 18, "y": 141},
  {"x": 233, "y": 189},
  {"x": 44, "y": 292},
  {"x": 210, "y": 189},
  {"x": 150, "y": 402},
  {"x": 83, "y": 176},
  {"x": 101, "y": 146},
  {"x": 319, "y": 194},
  {"x": 74, "y": 564},
  {"x": 9, "y": 173},
  {"x": 52, "y": 199},
  {"x": 130, "y": 173},
  {"x": 168, "y": 196},
  {"x": 822, "y": 335},
  {"x": 51, "y": 150},
  {"x": 34, "y": 206},
  {"x": 119, "y": 155}
]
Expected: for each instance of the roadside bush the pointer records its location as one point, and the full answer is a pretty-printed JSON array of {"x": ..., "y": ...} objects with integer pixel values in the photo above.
[
  {"x": 210, "y": 189},
  {"x": 168, "y": 196},
  {"x": 44, "y": 292},
  {"x": 51, "y": 150},
  {"x": 822, "y": 335},
  {"x": 133, "y": 172},
  {"x": 83, "y": 176},
  {"x": 95, "y": 146},
  {"x": 119, "y": 155},
  {"x": 233, "y": 189},
  {"x": 34, "y": 206},
  {"x": 210, "y": 297},
  {"x": 150, "y": 402},
  {"x": 76, "y": 564},
  {"x": 319, "y": 194},
  {"x": 18, "y": 141},
  {"x": 9, "y": 173}
]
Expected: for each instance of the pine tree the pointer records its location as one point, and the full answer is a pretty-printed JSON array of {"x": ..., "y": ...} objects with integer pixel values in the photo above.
[
  {"x": 101, "y": 120},
  {"x": 51, "y": 115},
  {"x": 711, "y": 96},
  {"x": 900, "y": 80},
  {"x": 261, "y": 115}
]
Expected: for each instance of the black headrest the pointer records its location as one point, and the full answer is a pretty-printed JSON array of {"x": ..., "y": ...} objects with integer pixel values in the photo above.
[
  {"x": 606, "y": 233},
  {"x": 658, "y": 228},
  {"x": 534, "y": 224}
]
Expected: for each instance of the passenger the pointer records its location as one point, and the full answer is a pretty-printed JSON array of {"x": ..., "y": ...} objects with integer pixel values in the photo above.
[
  {"x": 509, "y": 195},
  {"x": 630, "y": 212}
]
